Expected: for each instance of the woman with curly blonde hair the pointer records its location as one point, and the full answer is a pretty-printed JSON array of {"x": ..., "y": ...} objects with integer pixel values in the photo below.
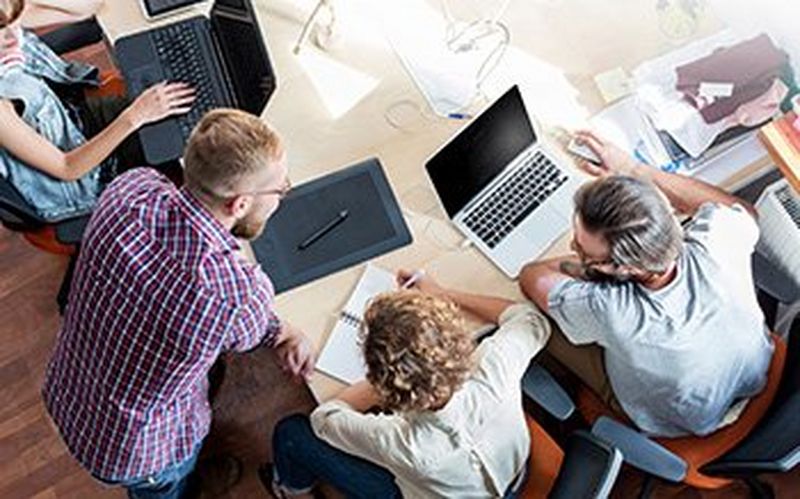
[{"x": 450, "y": 420}]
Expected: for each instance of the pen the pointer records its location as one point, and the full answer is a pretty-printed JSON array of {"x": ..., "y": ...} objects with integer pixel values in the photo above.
[
  {"x": 459, "y": 116},
  {"x": 340, "y": 217},
  {"x": 416, "y": 276}
]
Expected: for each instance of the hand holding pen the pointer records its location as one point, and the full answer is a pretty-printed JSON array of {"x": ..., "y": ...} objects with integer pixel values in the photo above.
[{"x": 419, "y": 280}]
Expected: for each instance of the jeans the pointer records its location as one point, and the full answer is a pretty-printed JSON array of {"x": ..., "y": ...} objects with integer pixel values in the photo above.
[
  {"x": 301, "y": 459},
  {"x": 169, "y": 483}
]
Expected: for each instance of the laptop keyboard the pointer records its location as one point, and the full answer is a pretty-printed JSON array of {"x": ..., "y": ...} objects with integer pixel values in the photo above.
[
  {"x": 516, "y": 198},
  {"x": 178, "y": 46}
]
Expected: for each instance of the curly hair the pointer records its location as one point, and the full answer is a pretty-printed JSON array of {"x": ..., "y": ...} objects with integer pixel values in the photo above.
[{"x": 417, "y": 348}]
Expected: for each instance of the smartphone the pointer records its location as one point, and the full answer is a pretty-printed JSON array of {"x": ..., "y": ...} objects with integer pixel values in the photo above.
[{"x": 583, "y": 151}]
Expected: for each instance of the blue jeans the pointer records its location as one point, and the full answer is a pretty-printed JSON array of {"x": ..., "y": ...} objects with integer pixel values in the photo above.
[
  {"x": 169, "y": 483},
  {"x": 301, "y": 459}
]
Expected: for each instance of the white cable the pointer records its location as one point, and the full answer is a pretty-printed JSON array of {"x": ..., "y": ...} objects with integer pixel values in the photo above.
[{"x": 468, "y": 37}]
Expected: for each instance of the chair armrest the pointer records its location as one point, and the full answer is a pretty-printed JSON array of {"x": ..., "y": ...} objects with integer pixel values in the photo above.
[
  {"x": 773, "y": 281},
  {"x": 73, "y": 36},
  {"x": 540, "y": 386},
  {"x": 589, "y": 469},
  {"x": 71, "y": 231},
  {"x": 15, "y": 210},
  {"x": 640, "y": 451}
]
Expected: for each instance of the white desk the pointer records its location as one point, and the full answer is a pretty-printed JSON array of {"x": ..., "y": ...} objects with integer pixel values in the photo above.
[{"x": 573, "y": 39}]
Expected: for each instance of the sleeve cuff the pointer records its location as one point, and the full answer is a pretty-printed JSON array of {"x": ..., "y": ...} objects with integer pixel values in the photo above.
[{"x": 517, "y": 310}]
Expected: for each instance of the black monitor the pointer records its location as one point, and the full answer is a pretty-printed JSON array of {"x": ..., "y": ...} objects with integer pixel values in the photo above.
[
  {"x": 474, "y": 157},
  {"x": 245, "y": 53}
]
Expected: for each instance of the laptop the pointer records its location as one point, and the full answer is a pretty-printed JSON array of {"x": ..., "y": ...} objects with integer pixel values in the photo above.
[
  {"x": 157, "y": 8},
  {"x": 501, "y": 187},
  {"x": 223, "y": 57}
]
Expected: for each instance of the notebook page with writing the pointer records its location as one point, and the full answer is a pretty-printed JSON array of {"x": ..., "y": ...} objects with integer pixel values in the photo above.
[{"x": 341, "y": 357}]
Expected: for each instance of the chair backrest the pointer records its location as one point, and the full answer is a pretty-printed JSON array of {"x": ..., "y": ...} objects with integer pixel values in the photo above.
[
  {"x": 73, "y": 36},
  {"x": 774, "y": 444}
]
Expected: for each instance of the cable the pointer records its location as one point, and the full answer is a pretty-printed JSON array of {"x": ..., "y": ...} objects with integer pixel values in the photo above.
[{"x": 472, "y": 36}]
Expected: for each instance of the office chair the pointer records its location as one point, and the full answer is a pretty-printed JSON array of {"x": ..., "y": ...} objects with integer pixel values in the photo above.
[
  {"x": 586, "y": 468},
  {"x": 15, "y": 212},
  {"x": 765, "y": 437}
]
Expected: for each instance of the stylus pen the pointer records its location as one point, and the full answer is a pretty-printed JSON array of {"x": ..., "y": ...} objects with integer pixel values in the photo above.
[{"x": 340, "y": 217}]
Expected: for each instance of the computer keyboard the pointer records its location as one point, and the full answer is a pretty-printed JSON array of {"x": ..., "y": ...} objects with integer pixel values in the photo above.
[
  {"x": 516, "y": 198},
  {"x": 178, "y": 46}
]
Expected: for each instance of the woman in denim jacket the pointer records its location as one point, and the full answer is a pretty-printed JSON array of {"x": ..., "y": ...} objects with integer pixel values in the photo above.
[{"x": 58, "y": 158}]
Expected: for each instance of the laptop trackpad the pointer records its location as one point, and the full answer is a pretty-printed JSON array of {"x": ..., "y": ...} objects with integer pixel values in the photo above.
[{"x": 529, "y": 240}]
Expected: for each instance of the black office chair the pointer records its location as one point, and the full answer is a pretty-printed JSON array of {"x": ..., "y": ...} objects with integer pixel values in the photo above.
[{"x": 589, "y": 467}]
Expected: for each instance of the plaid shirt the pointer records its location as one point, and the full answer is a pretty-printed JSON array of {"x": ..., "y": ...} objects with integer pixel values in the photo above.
[{"x": 159, "y": 292}]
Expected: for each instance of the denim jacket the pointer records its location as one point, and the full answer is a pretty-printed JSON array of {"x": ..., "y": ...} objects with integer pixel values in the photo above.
[{"x": 39, "y": 106}]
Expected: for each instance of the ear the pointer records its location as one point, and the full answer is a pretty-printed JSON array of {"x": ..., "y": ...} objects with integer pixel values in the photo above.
[{"x": 238, "y": 206}]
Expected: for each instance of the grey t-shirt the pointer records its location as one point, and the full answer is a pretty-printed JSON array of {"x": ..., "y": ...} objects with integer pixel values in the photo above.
[{"x": 679, "y": 357}]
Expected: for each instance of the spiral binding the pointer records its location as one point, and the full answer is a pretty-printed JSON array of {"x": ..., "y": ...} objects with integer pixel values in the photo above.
[{"x": 351, "y": 320}]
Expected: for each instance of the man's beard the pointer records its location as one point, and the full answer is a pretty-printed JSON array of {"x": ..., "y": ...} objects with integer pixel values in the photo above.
[{"x": 249, "y": 227}]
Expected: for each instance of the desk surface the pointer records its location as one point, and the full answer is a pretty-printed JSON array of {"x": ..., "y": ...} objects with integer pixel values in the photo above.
[{"x": 331, "y": 108}]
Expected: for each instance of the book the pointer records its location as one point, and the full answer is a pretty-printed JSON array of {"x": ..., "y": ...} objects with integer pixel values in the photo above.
[
  {"x": 781, "y": 141},
  {"x": 341, "y": 357}
]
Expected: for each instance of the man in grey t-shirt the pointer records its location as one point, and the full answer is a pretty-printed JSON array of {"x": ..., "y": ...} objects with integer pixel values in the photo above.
[{"x": 661, "y": 322}]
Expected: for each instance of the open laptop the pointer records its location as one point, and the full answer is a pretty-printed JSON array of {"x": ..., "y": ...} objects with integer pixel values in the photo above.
[
  {"x": 158, "y": 8},
  {"x": 223, "y": 57},
  {"x": 500, "y": 186}
]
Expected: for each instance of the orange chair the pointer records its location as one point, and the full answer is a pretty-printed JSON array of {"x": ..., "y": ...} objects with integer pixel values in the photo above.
[
  {"x": 765, "y": 437},
  {"x": 694, "y": 452}
]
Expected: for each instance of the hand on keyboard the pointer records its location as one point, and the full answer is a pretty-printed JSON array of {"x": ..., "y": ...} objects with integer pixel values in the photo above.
[{"x": 160, "y": 101}]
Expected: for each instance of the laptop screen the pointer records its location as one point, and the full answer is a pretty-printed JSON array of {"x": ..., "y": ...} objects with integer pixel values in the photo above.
[
  {"x": 244, "y": 52},
  {"x": 157, "y": 7},
  {"x": 472, "y": 159}
]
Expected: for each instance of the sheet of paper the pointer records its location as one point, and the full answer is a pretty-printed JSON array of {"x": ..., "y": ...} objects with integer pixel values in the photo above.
[
  {"x": 341, "y": 357},
  {"x": 624, "y": 124}
]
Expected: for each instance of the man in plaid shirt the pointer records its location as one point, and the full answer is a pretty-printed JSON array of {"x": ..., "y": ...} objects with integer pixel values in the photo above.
[{"x": 160, "y": 291}]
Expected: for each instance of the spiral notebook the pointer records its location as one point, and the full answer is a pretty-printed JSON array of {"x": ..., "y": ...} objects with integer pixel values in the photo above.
[{"x": 341, "y": 357}]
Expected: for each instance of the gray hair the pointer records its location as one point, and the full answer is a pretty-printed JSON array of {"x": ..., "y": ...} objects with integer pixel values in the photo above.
[{"x": 634, "y": 218}]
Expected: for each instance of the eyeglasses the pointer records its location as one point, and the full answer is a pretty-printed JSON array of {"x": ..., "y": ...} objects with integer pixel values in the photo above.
[
  {"x": 281, "y": 192},
  {"x": 585, "y": 260}
]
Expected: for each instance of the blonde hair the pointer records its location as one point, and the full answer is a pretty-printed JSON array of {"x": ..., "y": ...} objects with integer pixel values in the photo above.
[
  {"x": 10, "y": 10},
  {"x": 417, "y": 349},
  {"x": 226, "y": 148}
]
